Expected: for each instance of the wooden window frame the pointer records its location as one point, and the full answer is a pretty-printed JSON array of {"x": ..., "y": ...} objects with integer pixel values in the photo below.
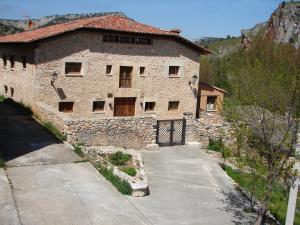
[
  {"x": 172, "y": 107},
  {"x": 4, "y": 59},
  {"x": 214, "y": 108},
  {"x": 5, "y": 89},
  {"x": 123, "y": 81},
  {"x": 66, "y": 108},
  {"x": 96, "y": 109},
  {"x": 174, "y": 71},
  {"x": 72, "y": 73},
  {"x": 150, "y": 106},
  {"x": 142, "y": 71},
  {"x": 24, "y": 62},
  {"x": 109, "y": 70},
  {"x": 12, "y": 61},
  {"x": 12, "y": 92}
]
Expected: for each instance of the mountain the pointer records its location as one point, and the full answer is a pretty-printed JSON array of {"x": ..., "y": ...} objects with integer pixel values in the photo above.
[{"x": 13, "y": 26}]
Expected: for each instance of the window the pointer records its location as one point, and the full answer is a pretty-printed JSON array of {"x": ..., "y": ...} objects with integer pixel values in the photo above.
[
  {"x": 174, "y": 70},
  {"x": 4, "y": 60},
  {"x": 98, "y": 106},
  {"x": 66, "y": 107},
  {"x": 142, "y": 71},
  {"x": 149, "y": 106},
  {"x": 127, "y": 39},
  {"x": 109, "y": 69},
  {"x": 12, "y": 61},
  {"x": 173, "y": 105},
  {"x": 5, "y": 89},
  {"x": 73, "y": 68},
  {"x": 24, "y": 62},
  {"x": 12, "y": 92},
  {"x": 211, "y": 103},
  {"x": 125, "y": 76}
]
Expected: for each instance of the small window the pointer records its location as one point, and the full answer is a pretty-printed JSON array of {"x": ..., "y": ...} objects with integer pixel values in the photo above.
[
  {"x": 98, "y": 106},
  {"x": 142, "y": 71},
  {"x": 24, "y": 62},
  {"x": 4, "y": 58},
  {"x": 173, "y": 105},
  {"x": 66, "y": 107},
  {"x": 109, "y": 69},
  {"x": 5, "y": 89},
  {"x": 174, "y": 70},
  {"x": 211, "y": 103},
  {"x": 12, "y": 92},
  {"x": 12, "y": 61},
  {"x": 149, "y": 106},
  {"x": 73, "y": 68}
]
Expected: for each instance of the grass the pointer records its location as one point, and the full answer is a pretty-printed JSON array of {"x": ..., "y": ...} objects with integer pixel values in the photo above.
[
  {"x": 119, "y": 158},
  {"x": 2, "y": 98},
  {"x": 121, "y": 185},
  {"x": 130, "y": 171},
  {"x": 55, "y": 131},
  {"x": 279, "y": 197},
  {"x": 78, "y": 149},
  {"x": 216, "y": 145}
]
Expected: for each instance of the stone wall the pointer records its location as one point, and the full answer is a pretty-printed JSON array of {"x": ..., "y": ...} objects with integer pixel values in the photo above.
[
  {"x": 131, "y": 132},
  {"x": 210, "y": 125}
]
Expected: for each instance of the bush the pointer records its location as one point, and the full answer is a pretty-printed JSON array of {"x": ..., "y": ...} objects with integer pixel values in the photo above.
[
  {"x": 216, "y": 145},
  {"x": 2, "y": 98},
  {"x": 53, "y": 130},
  {"x": 130, "y": 171},
  {"x": 121, "y": 185},
  {"x": 78, "y": 149},
  {"x": 119, "y": 158}
]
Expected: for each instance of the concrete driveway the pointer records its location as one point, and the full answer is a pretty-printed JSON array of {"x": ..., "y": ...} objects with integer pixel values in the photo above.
[
  {"x": 188, "y": 188},
  {"x": 46, "y": 183}
]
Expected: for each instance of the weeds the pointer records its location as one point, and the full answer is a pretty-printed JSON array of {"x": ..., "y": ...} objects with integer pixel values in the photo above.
[
  {"x": 55, "y": 131},
  {"x": 119, "y": 158},
  {"x": 130, "y": 171}
]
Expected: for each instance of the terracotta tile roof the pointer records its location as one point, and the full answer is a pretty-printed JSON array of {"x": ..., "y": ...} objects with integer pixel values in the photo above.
[{"x": 105, "y": 23}]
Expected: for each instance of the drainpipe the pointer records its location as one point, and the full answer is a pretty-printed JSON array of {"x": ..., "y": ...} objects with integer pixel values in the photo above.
[{"x": 290, "y": 215}]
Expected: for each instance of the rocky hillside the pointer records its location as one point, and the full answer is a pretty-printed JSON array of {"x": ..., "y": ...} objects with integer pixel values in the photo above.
[
  {"x": 14, "y": 26},
  {"x": 284, "y": 23}
]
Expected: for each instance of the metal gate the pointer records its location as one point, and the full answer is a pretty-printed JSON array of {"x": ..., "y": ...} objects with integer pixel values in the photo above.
[{"x": 171, "y": 132}]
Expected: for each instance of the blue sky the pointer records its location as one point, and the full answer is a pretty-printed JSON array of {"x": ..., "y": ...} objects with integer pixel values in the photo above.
[{"x": 196, "y": 18}]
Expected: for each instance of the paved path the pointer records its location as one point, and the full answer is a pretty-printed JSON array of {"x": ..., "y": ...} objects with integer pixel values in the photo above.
[
  {"x": 188, "y": 188},
  {"x": 46, "y": 184}
]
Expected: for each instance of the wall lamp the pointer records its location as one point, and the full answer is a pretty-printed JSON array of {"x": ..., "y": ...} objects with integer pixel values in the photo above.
[
  {"x": 54, "y": 78},
  {"x": 194, "y": 80}
]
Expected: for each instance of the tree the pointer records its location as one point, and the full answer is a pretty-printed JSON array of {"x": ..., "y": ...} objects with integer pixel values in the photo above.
[{"x": 264, "y": 106}]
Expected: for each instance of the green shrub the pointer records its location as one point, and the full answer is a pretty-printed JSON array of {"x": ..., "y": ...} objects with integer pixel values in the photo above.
[
  {"x": 130, "y": 171},
  {"x": 2, "y": 98},
  {"x": 52, "y": 129},
  {"x": 119, "y": 158},
  {"x": 78, "y": 149},
  {"x": 216, "y": 145},
  {"x": 121, "y": 185},
  {"x": 279, "y": 197}
]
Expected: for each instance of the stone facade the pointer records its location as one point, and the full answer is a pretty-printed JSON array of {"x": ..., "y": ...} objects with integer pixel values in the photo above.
[
  {"x": 209, "y": 125},
  {"x": 131, "y": 132}
]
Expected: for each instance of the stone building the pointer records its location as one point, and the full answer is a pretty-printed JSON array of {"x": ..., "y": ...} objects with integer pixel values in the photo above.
[{"x": 103, "y": 78}]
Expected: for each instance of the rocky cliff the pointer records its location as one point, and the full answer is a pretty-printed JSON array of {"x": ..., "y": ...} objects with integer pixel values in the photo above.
[
  {"x": 284, "y": 23},
  {"x": 14, "y": 26}
]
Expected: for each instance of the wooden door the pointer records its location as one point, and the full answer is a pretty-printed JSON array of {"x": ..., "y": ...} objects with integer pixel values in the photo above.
[{"x": 124, "y": 107}]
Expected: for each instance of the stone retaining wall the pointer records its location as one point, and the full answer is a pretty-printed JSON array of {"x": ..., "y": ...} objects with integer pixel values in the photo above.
[
  {"x": 128, "y": 132},
  {"x": 210, "y": 125}
]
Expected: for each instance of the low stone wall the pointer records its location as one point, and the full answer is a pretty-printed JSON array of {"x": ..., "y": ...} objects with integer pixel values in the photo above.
[
  {"x": 133, "y": 132},
  {"x": 209, "y": 125}
]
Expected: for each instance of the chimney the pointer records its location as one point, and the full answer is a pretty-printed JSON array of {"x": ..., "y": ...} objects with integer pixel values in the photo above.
[{"x": 175, "y": 30}]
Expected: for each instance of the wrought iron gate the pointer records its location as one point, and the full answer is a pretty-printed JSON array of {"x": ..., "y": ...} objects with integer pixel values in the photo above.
[{"x": 171, "y": 132}]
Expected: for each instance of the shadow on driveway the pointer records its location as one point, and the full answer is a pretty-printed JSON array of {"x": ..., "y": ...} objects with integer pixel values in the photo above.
[{"x": 20, "y": 134}]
